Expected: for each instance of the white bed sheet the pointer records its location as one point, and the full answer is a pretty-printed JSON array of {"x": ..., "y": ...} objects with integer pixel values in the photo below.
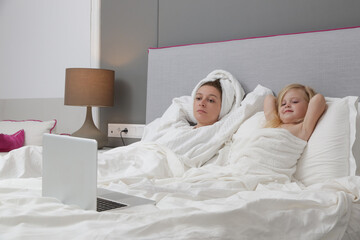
[{"x": 211, "y": 202}]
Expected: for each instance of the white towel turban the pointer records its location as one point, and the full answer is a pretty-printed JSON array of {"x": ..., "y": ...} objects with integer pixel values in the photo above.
[{"x": 232, "y": 92}]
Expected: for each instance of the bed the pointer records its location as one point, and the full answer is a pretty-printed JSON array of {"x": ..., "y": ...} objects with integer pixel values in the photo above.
[{"x": 320, "y": 200}]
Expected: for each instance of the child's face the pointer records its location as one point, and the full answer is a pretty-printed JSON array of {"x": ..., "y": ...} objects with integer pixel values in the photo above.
[
  {"x": 293, "y": 106},
  {"x": 207, "y": 105}
]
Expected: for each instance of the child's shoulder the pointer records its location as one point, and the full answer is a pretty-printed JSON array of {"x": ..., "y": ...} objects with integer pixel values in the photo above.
[{"x": 295, "y": 129}]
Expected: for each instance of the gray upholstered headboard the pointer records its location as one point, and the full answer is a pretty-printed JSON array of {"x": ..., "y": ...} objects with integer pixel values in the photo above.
[{"x": 329, "y": 61}]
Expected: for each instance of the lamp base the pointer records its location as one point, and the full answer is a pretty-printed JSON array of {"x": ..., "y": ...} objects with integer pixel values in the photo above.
[{"x": 89, "y": 130}]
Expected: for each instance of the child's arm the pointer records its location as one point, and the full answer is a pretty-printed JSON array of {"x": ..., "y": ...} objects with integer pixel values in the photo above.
[
  {"x": 270, "y": 108},
  {"x": 316, "y": 108}
]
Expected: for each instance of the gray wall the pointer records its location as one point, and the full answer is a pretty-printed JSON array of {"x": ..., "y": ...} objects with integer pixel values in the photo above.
[{"x": 130, "y": 27}]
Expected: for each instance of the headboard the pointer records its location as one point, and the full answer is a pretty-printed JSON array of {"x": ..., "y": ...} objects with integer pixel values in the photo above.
[{"x": 329, "y": 61}]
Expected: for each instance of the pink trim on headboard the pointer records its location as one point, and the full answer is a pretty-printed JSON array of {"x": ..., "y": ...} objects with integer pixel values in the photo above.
[
  {"x": 31, "y": 120},
  {"x": 285, "y": 34}
]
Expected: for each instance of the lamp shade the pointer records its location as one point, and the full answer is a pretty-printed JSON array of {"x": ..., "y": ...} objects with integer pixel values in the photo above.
[{"x": 89, "y": 87}]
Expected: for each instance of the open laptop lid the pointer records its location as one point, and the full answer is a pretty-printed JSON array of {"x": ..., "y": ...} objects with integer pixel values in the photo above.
[{"x": 69, "y": 170}]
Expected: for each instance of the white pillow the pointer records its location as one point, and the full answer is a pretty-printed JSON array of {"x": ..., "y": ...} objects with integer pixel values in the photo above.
[
  {"x": 356, "y": 147},
  {"x": 34, "y": 129},
  {"x": 328, "y": 153}
]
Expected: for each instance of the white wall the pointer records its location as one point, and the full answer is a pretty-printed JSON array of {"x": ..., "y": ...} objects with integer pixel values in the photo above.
[{"x": 39, "y": 40}]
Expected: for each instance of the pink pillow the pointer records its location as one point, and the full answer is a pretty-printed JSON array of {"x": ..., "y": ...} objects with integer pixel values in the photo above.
[
  {"x": 10, "y": 142},
  {"x": 34, "y": 129}
]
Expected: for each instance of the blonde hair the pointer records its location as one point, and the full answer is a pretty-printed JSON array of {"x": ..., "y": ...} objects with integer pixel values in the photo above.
[{"x": 309, "y": 93}]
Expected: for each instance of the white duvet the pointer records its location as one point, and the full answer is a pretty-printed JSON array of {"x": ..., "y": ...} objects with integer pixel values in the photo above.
[
  {"x": 211, "y": 202},
  {"x": 215, "y": 201},
  {"x": 267, "y": 152}
]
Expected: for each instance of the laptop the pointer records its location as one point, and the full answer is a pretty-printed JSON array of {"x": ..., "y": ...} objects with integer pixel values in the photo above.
[{"x": 70, "y": 175}]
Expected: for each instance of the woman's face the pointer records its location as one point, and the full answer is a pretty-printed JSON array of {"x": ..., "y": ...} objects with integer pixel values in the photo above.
[
  {"x": 207, "y": 105},
  {"x": 293, "y": 106}
]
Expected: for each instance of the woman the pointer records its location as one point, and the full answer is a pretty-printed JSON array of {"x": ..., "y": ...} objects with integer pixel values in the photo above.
[
  {"x": 207, "y": 103},
  {"x": 297, "y": 109},
  {"x": 193, "y": 126},
  {"x": 230, "y": 90}
]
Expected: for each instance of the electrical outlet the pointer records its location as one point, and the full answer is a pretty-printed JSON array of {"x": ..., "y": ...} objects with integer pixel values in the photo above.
[{"x": 134, "y": 130}]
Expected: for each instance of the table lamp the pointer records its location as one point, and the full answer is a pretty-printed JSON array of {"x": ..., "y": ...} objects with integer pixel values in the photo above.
[{"x": 89, "y": 87}]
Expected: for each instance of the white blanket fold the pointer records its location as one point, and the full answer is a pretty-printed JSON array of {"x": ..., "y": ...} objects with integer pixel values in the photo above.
[
  {"x": 23, "y": 162},
  {"x": 267, "y": 151},
  {"x": 138, "y": 160}
]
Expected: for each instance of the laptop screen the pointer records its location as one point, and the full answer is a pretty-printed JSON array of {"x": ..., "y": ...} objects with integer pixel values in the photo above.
[{"x": 70, "y": 170}]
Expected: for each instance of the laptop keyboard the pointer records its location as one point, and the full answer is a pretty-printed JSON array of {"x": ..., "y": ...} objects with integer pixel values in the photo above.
[{"x": 104, "y": 204}]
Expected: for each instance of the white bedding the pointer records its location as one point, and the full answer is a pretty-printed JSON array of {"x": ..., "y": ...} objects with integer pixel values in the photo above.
[
  {"x": 211, "y": 202},
  {"x": 215, "y": 201},
  {"x": 267, "y": 151}
]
